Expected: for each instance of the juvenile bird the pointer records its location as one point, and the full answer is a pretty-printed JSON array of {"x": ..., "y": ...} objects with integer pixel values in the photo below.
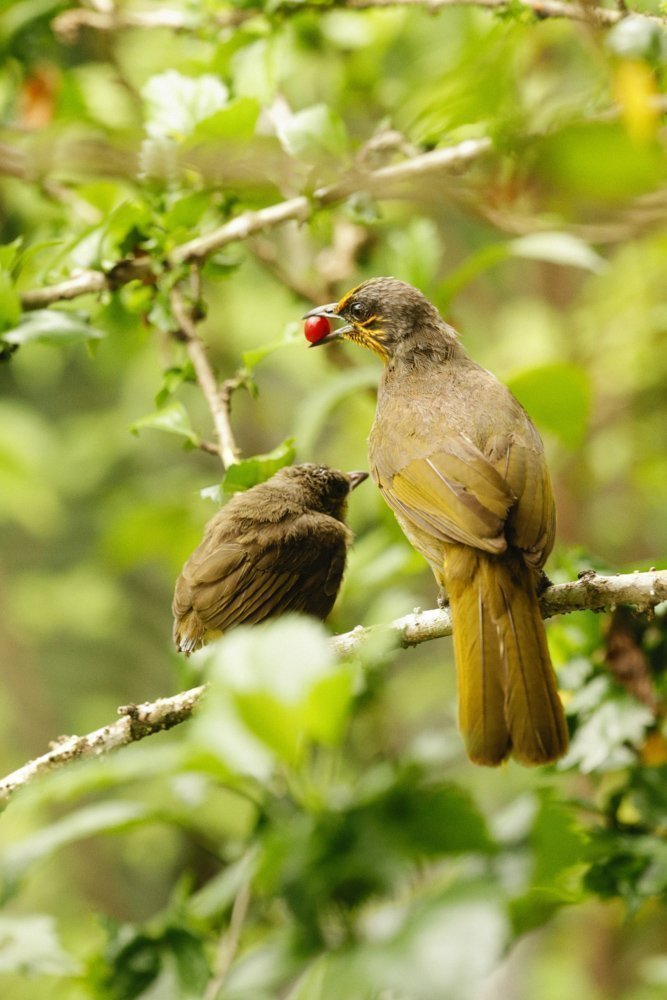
[
  {"x": 458, "y": 460},
  {"x": 280, "y": 546}
]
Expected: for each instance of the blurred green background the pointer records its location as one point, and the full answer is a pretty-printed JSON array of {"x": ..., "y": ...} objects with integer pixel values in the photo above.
[{"x": 339, "y": 845}]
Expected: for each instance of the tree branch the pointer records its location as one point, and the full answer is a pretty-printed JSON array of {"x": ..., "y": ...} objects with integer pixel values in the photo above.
[
  {"x": 136, "y": 722},
  {"x": 83, "y": 283},
  {"x": 591, "y": 592},
  {"x": 300, "y": 208},
  {"x": 219, "y": 398},
  {"x": 69, "y": 22},
  {"x": 387, "y": 182}
]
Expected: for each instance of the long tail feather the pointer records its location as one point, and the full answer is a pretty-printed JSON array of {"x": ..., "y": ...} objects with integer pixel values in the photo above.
[
  {"x": 508, "y": 700},
  {"x": 479, "y": 667}
]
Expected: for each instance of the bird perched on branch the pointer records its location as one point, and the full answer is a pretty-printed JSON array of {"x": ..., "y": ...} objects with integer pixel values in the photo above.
[
  {"x": 458, "y": 460},
  {"x": 281, "y": 546}
]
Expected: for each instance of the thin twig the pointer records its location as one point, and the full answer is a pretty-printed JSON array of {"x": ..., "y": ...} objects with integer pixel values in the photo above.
[
  {"x": 229, "y": 943},
  {"x": 208, "y": 447},
  {"x": 218, "y": 397},
  {"x": 591, "y": 592}
]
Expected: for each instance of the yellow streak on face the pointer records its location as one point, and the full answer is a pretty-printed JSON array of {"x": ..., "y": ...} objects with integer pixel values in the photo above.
[
  {"x": 346, "y": 298},
  {"x": 363, "y": 334},
  {"x": 360, "y": 332}
]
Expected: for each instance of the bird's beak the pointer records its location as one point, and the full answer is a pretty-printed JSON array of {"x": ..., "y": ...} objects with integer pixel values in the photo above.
[
  {"x": 329, "y": 311},
  {"x": 356, "y": 478}
]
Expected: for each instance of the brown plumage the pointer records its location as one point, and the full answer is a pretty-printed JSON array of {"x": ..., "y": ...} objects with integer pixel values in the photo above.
[
  {"x": 461, "y": 465},
  {"x": 280, "y": 546}
]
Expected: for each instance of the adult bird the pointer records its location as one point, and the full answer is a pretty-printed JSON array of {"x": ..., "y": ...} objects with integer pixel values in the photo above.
[
  {"x": 281, "y": 546},
  {"x": 458, "y": 460}
]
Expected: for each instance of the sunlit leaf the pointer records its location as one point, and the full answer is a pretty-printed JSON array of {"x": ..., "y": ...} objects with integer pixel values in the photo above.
[
  {"x": 273, "y": 722},
  {"x": 236, "y": 122},
  {"x": 609, "y": 739},
  {"x": 187, "y": 209},
  {"x": 172, "y": 379},
  {"x": 637, "y": 95},
  {"x": 9, "y": 253},
  {"x": 250, "y": 471},
  {"x": 557, "y": 248},
  {"x": 29, "y": 945},
  {"x": 52, "y": 326},
  {"x": 10, "y": 303},
  {"x": 172, "y": 418},
  {"x": 636, "y": 37},
  {"x": 326, "y": 708},
  {"x": 292, "y": 334},
  {"x": 314, "y": 133},
  {"x": 175, "y": 103}
]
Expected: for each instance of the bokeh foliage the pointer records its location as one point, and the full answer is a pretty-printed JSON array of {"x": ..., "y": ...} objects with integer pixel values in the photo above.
[{"x": 316, "y": 831}]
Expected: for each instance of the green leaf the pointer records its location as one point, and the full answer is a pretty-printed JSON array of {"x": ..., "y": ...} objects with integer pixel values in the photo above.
[
  {"x": 9, "y": 253},
  {"x": 236, "y": 122},
  {"x": 29, "y": 945},
  {"x": 172, "y": 380},
  {"x": 175, "y": 104},
  {"x": 10, "y": 302},
  {"x": 245, "y": 660},
  {"x": 275, "y": 723},
  {"x": 291, "y": 334},
  {"x": 558, "y": 850},
  {"x": 609, "y": 739},
  {"x": 558, "y": 398},
  {"x": 157, "y": 961},
  {"x": 187, "y": 209},
  {"x": 557, "y": 840},
  {"x": 314, "y": 134},
  {"x": 52, "y": 326},
  {"x": 251, "y": 471},
  {"x": 558, "y": 248},
  {"x": 285, "y": 708},
  {"x": 325, "y": 710},
  {"x": 124, "y": 228},
  {"x": 173, "y": 419},
  {"x": 430, "y": 819}
]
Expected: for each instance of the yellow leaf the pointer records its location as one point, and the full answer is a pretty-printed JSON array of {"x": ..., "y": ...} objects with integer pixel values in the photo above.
[{"x": 636, "y": 93}]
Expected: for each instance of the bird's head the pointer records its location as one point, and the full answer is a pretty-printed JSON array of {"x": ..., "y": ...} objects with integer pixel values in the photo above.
[
  {"x": 386, "y": 315},
  {"x": 320, "y": 487}
]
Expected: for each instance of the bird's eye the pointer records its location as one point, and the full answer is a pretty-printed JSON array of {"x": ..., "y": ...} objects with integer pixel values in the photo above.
[{"x": 358, "y": 311}]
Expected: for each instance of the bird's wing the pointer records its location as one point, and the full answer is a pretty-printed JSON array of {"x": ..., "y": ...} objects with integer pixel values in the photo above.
[
  {"x": 234, "y": 582},
  {"x": 531, "y": 525},
  {"x": 455, "y": 494}
]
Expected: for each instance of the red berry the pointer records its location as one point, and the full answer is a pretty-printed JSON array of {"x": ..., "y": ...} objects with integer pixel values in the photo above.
[{"x": 316, "y": 327}]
